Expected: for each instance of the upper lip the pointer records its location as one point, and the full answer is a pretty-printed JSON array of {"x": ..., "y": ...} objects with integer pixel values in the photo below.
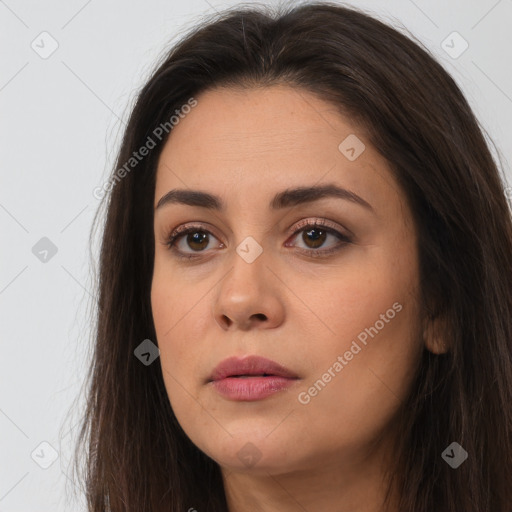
[{"x": 249, "y": 365}]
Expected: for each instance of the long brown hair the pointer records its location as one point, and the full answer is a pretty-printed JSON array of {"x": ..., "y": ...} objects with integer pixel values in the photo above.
[{"x": 137, "y": 457}]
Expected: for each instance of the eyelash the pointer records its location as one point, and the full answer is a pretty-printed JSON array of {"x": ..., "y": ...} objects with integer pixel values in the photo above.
[{"x": 180, "y": 232}]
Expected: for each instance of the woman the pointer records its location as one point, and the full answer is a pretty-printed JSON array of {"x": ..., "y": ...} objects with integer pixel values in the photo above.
[{"x": 305, "y": 294}]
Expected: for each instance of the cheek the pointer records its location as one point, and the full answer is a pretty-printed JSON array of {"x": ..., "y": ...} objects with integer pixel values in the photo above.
[
  {"x": 376, "y": 328},
  {"x": 369, "y": 317},
  {"x": 179, "y": 314},
  {"x": 173, "y": 300},
  {"x": 361, "y": 393},
  {"x": 340, "y": 302}
]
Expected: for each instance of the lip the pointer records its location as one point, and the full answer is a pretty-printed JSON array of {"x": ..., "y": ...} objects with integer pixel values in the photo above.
[
  {"x": 243, "y": 378},
  {"x": 249, "y": 365}
]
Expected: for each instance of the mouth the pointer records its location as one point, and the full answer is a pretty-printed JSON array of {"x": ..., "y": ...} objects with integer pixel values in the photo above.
[
  {"x": 255, "y": 375},
  {"x": 251, "y": 388},
  {"x": 250, "y": 378},
  {"x": 250, "y": 367}
]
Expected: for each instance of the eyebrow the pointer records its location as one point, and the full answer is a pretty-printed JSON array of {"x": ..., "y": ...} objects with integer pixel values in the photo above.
[{"x": 284, "y": 199}]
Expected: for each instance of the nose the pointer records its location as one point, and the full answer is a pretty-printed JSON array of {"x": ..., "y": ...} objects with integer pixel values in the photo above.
[{"x": 249, "y": 295}]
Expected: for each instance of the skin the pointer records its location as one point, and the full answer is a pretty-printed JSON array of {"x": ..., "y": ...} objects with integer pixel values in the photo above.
[{"x": 298, "y": 310}]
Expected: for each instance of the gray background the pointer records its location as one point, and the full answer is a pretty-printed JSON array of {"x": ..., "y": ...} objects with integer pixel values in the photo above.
[{"x": 61, "y": 121}]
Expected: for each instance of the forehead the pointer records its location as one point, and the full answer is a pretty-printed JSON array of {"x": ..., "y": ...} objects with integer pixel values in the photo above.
[{"x": 259, "y": 140}]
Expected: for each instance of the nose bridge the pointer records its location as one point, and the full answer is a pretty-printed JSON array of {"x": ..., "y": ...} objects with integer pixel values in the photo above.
[
  {"x": 250, "y": 229},
  {"x": 248, "y": 264},
  {"x": 245, "y": 295},
  {"x": 253, "y": 246}
]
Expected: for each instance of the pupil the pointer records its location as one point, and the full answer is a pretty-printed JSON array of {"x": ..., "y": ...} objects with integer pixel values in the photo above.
[
  {"x": 309, "y": 237},
  {"x": 197, "y": 238},
  {"x": 317, "y": 240}
]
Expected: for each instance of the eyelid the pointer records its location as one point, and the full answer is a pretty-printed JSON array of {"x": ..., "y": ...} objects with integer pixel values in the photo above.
[
  {"x": 309, "y": 221},
  {"x": 320, "y": 221},
  {"x": 200, "y": 226},
  {"x": 331, "y": 227}
]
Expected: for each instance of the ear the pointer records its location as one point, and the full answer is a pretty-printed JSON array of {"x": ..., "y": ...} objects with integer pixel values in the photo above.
[{"x": 434, "y": 334}]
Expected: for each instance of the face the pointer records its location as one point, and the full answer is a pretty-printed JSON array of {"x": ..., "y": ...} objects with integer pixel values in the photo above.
[{"x": 336, "y": 303}]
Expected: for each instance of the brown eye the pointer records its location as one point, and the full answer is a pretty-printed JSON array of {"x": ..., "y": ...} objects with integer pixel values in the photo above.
[
  {"x": 189, "y": 241},
  {"x": 191, "y": 237},
  {"x": 196, "y": 240},
  {"x": 315, "y": 237}
]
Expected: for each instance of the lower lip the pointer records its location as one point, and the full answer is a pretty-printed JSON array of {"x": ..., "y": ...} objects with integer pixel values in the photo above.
[{"x": 251, "y": 388}]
